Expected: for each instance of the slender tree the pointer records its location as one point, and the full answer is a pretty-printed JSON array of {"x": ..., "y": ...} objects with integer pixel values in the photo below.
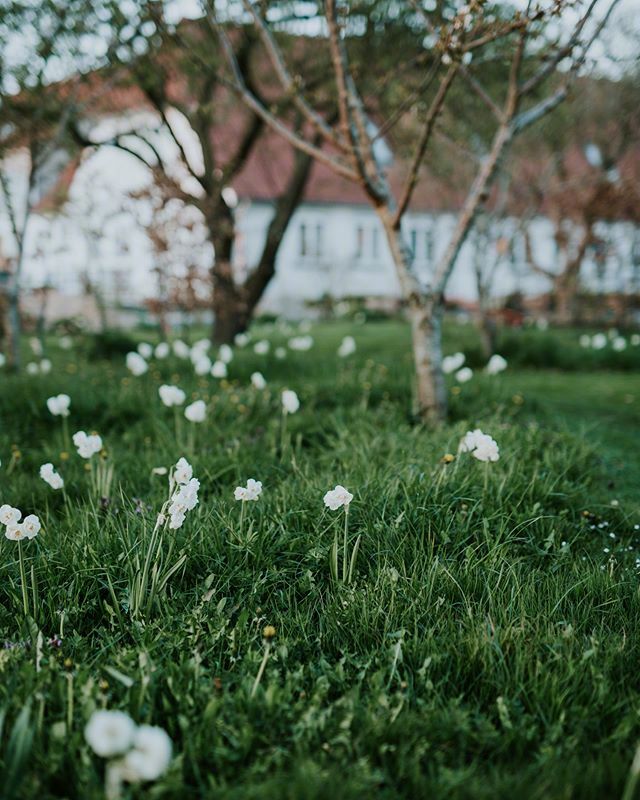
[{"x": 533, "y": 86}]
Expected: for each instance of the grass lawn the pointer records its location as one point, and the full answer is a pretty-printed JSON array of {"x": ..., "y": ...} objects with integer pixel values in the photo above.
[{"x": 487, "y": 646}]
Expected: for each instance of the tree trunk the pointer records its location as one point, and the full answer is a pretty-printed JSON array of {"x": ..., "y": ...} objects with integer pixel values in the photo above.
[
  {"x": 230, "y": 311},
  {"x": 425, "y": 317}
]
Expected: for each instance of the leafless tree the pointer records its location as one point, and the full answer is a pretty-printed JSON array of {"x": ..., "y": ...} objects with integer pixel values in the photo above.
[{"x": 534, "y": 87}]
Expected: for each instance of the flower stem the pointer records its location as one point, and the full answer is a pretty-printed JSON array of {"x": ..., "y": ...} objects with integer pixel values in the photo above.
[
  {"x": 23, "y": 581},
  {"x": 345, "y": 565},
  {"x": 263, "y": 664}
]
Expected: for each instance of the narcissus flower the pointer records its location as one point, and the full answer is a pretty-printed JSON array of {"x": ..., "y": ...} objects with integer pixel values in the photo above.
[
  {"x": 171, "y": 395},
  {"x": 136, "y": 364},
  {"x": 480, "y": 445},
  {"x": 59, "y": 405},
  {"x": 162, "y": 350},
  {"x": 337, "y": 498},
  {"x": 45, "y": 366},
  {"x": 241, "y": 340},
  {"x": 219, "y": 369},
  {"x": 258, "y": 381},
  {"x": 181, "y": 349},
  {"x": 290, "y": 401},
  {"x": 145, "y": 350},
  {"x": 280, "y": 353},
  {"x": 452, "y": 363},
  {"x": 347, "y": 347},
  {"x": 87, "y": 445},
  {"x": 29, "y": 528},
  {"x": 110, "y": 733},
  {"x": 202, "y": 365},
  {"x": 185, "y": 499},
  {"x": 9, "y": 515},
  {"x": 150, "y": 756},
  {"x": 50, "y": 476},
  {"x": 196, "y": 412},
  {"x": 496, "y": 364},
  {"x": 301, "y": 343},
  {"x": 261, "y": 347},
  {"x": 463, "y": 375},
  {"x": 599, "y": 341},
  {"x": 251, "y": 491},
  {"x": 183, "y": 471},
  {"x": 225, "y": 354}
]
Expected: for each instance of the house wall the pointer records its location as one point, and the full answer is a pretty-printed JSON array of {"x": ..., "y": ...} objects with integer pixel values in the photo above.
[{"x": 337, "y": 250}]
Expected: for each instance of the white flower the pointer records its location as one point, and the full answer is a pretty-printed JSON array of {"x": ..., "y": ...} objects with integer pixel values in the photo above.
[
  {"x": 110, "y": 733},
  {"x": 3, "y": 360},
  {"x": 599, "y": 341},
  {"x": 145, "y": 350},
  {"x": 290, "y": 402},
  {"x": 463, "y": 375},
  {"x": 585, "y": 340},
  {"x": 87, "y": 445},
  {"x": 45, "y": 366},
  {"x": 50, "y": 476},
  {"x": 59, "y": 404},
  {"x": 183, "y": 471},
  {"x": 225, "y": 353},
  {"x": 31, "y": 526},
  {"x": 171, "y": 395},
  {"x": 301, "y": 343},
  {"x": 136, "y": 364},
  {"x": 15, "y": 532},
  {"x": 241, "y": 339},
  {"x": 480, "y": 445},
  {"x": 258, "y": 381},
  {"x": 185, "y": 499},
  {"x": 219, "y": 369},
  {"x": 181, "y": 349},
  {"x": 337, "y": 498},
  {"x": 36, "y": 345},
  {"x": 32, "y": 368},
  {"x": 159, "y": 470},
  {"x": 452, "y": 363},
  {"x": 347, "y": 347},
  {"x": 162, "y": 350},
  {"x": 251, "y": 491},
  {"x": 496, "y": 364},
  {"x": 196, "y": 412},
  {"x": 635, "y": 341},
  {"x": 65, "y": 342},
  {"x": 9, "y": 515},
  {"x": 203, "y": 365},
  {"x": 150, "y": 756},
  {"x": 619, "y": 344},
  {"x": 261, "y": 347},
  {"x": 280, "y": 353}
]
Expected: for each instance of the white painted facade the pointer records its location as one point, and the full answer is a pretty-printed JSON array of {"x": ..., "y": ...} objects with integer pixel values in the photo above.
[{"x": 329, "y": 249}]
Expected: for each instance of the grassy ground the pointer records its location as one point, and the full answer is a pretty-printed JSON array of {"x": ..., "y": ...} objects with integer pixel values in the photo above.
[{"x": 487, "y": 648}]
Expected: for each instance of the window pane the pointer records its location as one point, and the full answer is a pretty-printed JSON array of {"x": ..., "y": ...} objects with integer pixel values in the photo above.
[{"x": 303, "y": 240}]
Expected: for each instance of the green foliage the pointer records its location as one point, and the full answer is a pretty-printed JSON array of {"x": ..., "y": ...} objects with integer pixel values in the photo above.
[{"x": 485, "y": 647}]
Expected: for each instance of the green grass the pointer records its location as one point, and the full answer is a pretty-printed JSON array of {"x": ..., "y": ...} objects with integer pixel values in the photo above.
[{"x": 487, "y": 648}]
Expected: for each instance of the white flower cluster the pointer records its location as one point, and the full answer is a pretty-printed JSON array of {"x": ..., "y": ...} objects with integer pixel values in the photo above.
[
  {"x": 251, "y": 491},
  {"x": 136, "y": 364},
  {"x": 301, "y": 343},
  {"x": 50, "y": 476},
  {"x": 496, "y": 364},
  {"x": 41, "y": 368},
  {"x": 196, "y": 412},
  {"x": 480, "y": 445},
  {"x": 185, "y": 497},
  {"x": 15, "y": 530},
  {"x": 452, "y": 363},
  {"x": 600, "y": 340},
  {"x": 142, "y": 752},
  {"x": 258, "y": 381},
  {"x": 87, "y": 444},
  {"x": 337, "y": 498}
]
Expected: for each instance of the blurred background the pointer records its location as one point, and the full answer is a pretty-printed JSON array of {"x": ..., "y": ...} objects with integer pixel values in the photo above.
[{"x": 138, "y": 189}]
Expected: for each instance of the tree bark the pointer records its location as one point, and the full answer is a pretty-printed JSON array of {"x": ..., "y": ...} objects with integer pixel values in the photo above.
[{"x": 425, "y": 318}]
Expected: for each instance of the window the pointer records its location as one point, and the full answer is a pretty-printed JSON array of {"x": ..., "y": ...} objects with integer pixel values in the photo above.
[
  {"x": 359, "y": 241},
  {"x": 319, "y": 239},
  {"x": 374, "y": 243},
  {"x": 428, "y": 245},
  {"x": 413, "y": 242},
  {"x": 304, "y": 246}
]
